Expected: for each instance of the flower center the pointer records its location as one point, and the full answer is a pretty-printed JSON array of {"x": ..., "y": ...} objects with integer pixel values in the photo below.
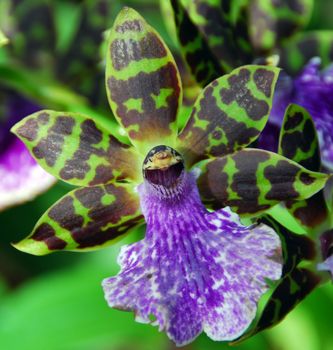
[{"x": 163, "y": 166}]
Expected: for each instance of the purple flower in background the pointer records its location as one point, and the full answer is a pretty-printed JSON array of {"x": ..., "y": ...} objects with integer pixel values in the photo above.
[
  {"x": 21, "y": 178},
  {"x": 313, "y": 90}
]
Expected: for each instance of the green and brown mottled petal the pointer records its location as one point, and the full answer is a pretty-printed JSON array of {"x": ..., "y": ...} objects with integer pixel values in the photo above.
[
  {"x": 229, "y": 114},
  {"x": 202, "y": 63},
  {"x": 299, "y": 142},
  {"x": 273, "y": 21},
  {"x": 310, "y": 213},
  {"x": 298, "y": 139},
  {"x": 31, "y": 31},
  {"x": 224, "y": 26},
  {"x": 213, "y": 36},
  {"x": 251, "y": 181},
  {"x": 75, "y": 149},
  {"x": 297, "y": 52},
  {"x": 142, "y": 82},
  {"x": 87, "y": 218},
  {"x": 290, "y": 291}
]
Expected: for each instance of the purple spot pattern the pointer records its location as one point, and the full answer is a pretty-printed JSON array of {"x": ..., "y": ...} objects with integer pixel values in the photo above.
[
  {"x": 312, "y": 89},
  {"x": 195, "y": 270}
]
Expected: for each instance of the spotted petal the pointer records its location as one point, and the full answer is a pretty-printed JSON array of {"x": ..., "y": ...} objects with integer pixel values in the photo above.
[
  {"x": 298, "y": 138},
  {"x": 202, "y": 63},
  {"x": 273, "y": 21},
  {"x": 85, "y": 219},
  {"x": 195, "y": 270},
  {"x": 229, "y": 113},
  {"x": 251, "y": 181},
  {"x": 212, "y": 41},
  {"x": 299, "y": 142},
  {"x": 142, "y": 80},
  {"x": 73, "y": 148}
]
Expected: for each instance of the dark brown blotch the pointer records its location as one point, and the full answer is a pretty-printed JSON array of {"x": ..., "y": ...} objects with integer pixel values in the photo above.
[
  {"x": 29, "y": 130},
  {"x": 46, "y": 233},
  {"x": 64, "y": 214},
  {"x": 282, "y": 177},
  {"x": 213, "y": 184},
  {"x": 238, "y": 92},
  {"x": 50, "y": 147},
  {"x": 143, "y": 86},
  {"x": 197, "y": 139},
  {"x": 100, "y": 215},
  {"x": 244, "y": 182},
  {"x": 314, "y": 211},
  {"x": 130, "y": 26},
  {"x": 124, "y": 51},
  {"x": 306, "y": 178},
  {"x": 263, "y": 79},
  {"x": 43, "y": 118},
  {"x": 77, "y": 166},
  {"x": 294, "y": 120}
]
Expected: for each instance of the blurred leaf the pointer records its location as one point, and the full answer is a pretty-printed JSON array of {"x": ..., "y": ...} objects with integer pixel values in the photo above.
[
  {"x": 273, "y": 21},
  {"x": 300, "y": 49},
  {"x": 66, "y": 310}
]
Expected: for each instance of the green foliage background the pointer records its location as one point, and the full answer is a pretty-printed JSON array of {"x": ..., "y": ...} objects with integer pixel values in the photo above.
[{"x": 56, "y": 302}]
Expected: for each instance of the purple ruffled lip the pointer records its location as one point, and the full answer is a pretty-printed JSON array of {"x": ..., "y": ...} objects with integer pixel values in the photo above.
[
  {"x": 195, "y": 271},
  {"x": 312, "y": 89},
  {"x": 21, "y": 178}
]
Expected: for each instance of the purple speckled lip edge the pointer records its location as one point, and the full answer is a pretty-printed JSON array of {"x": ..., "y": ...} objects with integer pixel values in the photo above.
[{"x": 195, "y": 270}]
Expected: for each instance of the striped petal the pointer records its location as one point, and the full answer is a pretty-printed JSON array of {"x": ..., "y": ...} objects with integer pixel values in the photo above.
[
  {"x": 298, "y": 138},
  {"x": 229, "y": 113},
  {"x": 213, "y": 40},
  {"x": 73, "y": 148},
  {"x": 142, "y": 81},
  {"x": 299, "y": 142},
  {"x": 251, "y": 181},
  {"x": 201, "y": 62},
  {"x": 85, "y": 219}
]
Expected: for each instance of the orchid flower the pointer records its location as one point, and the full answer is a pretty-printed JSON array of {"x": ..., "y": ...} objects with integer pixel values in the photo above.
[{"x": 196, "y": 269}]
